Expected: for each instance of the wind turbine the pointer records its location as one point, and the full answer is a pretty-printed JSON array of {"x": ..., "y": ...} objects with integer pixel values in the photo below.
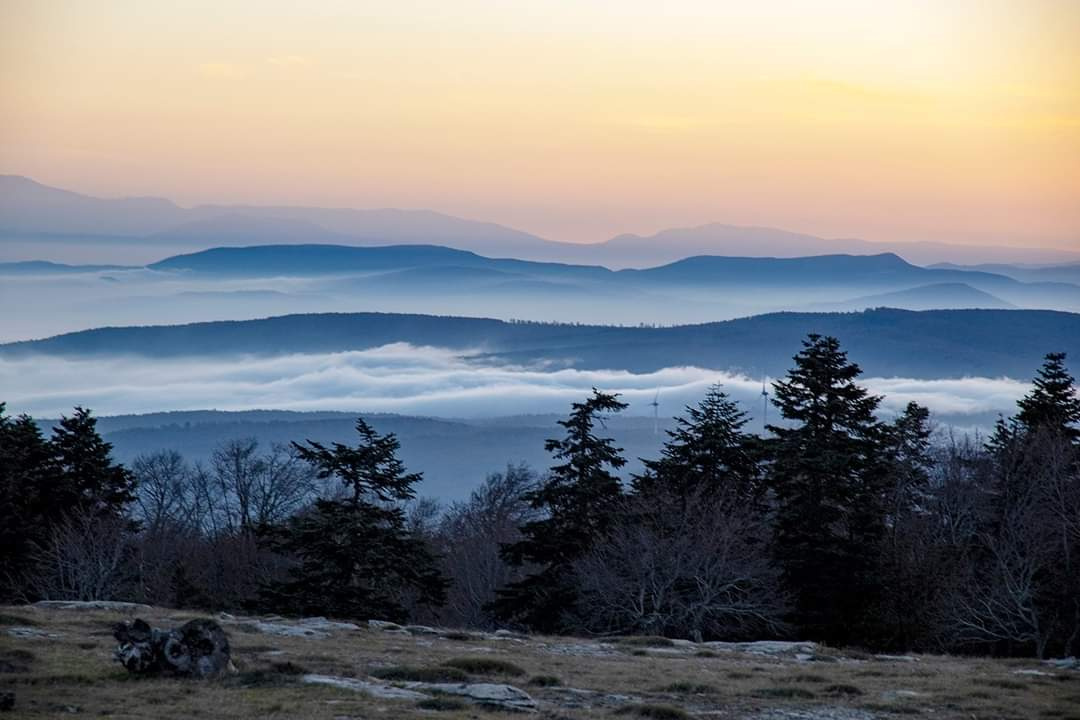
[
  {"x": 656, "y": 413},
  {"x": 764, "y": 405}
]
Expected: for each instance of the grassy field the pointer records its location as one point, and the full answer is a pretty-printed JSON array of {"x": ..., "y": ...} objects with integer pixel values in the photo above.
[{"x": 58, "y": 662}]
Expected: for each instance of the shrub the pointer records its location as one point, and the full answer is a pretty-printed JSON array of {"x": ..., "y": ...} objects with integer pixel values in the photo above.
[
  {"x": 807, "y": 678},
  {"x": 644, "y": 641},
  {"x": 408, "y": 673},
  {"x": 484, "y": 666},
  {"x": 688, "y": 688},
  {"x": 545, "y": 681},
  {"x": 442, "y": 703},
  {"x": 786, "y": 693},
  {"x": 654, "y": 712}
]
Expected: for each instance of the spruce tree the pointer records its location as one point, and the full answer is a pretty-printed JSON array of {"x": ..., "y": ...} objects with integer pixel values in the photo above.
[
  {"x": 707, "y": 455},
  {"x": 43, "y": 482},
  {"x": 828, "y": 480},
  {"x": 1033, "y": 513},
  {"x": 87, "y": 479},
  {"x": 354, "y": 555},
  {"x": 1052, "y": 405},
  {"x": 907, "y": 443},
  {"x": 907, "y": 599},
  {"x": 27, "y": 510},
  {"x": 579, "y": 498}
]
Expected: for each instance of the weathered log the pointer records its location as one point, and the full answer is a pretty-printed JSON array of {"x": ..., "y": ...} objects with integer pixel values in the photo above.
[{"x": 198, "y": 648}]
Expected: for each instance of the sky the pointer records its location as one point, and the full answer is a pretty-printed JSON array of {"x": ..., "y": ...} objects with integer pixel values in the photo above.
[{"x": 956, "y": 121}]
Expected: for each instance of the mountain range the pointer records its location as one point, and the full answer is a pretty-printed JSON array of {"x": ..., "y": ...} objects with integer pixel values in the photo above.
[
  {"x": 929, "y": 344},
  {"x": 36, "y": 215},
  {"x": 856, "y": 281}
]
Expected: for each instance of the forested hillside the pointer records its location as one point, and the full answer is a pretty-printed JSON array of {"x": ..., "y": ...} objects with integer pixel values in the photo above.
[{"x": 927, "y": 344}]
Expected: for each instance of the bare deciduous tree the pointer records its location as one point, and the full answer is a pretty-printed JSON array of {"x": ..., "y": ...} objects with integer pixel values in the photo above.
[
  {"x": 469, "y": 539},
  {"x": 701, "y": 573},
  {"x": 255, "y": 490},
  {"x": 83, "y": 559}
]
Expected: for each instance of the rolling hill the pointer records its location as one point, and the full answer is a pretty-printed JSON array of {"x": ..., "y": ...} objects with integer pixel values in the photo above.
[
  {"x": 846, "y": 279},
  {"x": 928, "y": 344}
]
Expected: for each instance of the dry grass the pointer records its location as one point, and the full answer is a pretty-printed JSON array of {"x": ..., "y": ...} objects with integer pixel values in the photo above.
[{"x": 76, "y": 672}]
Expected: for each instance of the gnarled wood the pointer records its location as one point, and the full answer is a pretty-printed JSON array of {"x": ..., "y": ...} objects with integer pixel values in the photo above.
[{"x": 198, "y": 648}]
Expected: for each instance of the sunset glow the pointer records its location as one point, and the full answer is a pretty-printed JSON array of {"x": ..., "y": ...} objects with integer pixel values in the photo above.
[{"x": 927, "y": 120}]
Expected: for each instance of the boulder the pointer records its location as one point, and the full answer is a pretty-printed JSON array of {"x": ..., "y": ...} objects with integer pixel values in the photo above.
[{"x": 198, "y": 648}]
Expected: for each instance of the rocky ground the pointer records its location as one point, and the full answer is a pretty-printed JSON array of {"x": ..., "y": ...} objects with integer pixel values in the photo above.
[{"x": 57, "y": 659}]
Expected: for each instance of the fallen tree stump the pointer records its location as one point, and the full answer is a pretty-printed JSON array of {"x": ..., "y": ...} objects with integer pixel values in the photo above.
[{"x": 198, "y": 648}]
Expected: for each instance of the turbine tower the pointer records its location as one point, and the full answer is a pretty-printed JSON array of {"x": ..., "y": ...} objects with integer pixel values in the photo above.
[
  {"x": 764, "y": 405},
  {"x": 656, "y": 413}
]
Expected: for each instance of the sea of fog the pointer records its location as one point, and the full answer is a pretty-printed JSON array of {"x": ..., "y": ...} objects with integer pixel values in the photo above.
[{"x": 410, "y": 380}]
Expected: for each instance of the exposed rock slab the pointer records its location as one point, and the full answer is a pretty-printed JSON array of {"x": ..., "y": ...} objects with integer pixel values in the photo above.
[
  {"x": 495, "y": 695},
  {"x": 91, "y": 605},
  {"x": 490, "y": 694},
  {"x": 374, "y": 689},
  {"x": 31, "y": 633},
  {"x": 314, "y": 627}
]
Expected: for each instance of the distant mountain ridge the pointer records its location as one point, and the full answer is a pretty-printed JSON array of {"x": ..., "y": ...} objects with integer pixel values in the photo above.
[
  {"x": 852, "y": 275},
  {"x": 31, "y": 209},
  {"x": 927, "y": 344}
]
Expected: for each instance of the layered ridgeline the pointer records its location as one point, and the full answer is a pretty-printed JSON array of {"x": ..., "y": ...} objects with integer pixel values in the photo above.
[
  {"x": 822, "y": 275},
  {"x": 265, "y": 280},
  {"x": 38, "y": 215},
  {"x": 929, "y": 344}
]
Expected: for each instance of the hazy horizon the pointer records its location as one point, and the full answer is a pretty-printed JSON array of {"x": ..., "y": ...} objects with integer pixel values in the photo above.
[{"x": 886, "y": 122}]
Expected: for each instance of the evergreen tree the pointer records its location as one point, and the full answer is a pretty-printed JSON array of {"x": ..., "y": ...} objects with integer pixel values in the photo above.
[
  {"x": 26, "y": 510},
  {"x": 908, "y": 445},
  {"x": 1033, "y": 513},
  {"x": 828, "y": 480},
  {"x": 1052, "y": 405},
  {"x": 87, "y": 479},
  {"x": 707, "y": 454},
  {"x": 580, "y": 498},
  {"x": 45, "y": 482},
  {"x": 908, "y": 595},
  {"x": 354, "y": 555}
]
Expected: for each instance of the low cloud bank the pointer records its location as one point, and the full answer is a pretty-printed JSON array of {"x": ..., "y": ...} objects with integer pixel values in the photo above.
[{"x": 406, "y": 379}]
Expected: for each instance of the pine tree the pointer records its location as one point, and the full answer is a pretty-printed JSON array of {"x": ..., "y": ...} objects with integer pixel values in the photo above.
[
  {"x": 828, "y": 481},
  {"x": 354, "y": 555},
  {"x": 580, "y": 498},
  {"x": 707, "y": 454},
  {"x": 1053, "y": 404}
]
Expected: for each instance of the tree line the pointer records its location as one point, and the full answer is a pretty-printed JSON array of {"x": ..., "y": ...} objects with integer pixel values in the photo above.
[{"x": 835, "y": 526}]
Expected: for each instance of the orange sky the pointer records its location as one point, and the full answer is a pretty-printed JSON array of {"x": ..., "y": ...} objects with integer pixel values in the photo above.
[{"x": 954, "y": 120}]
